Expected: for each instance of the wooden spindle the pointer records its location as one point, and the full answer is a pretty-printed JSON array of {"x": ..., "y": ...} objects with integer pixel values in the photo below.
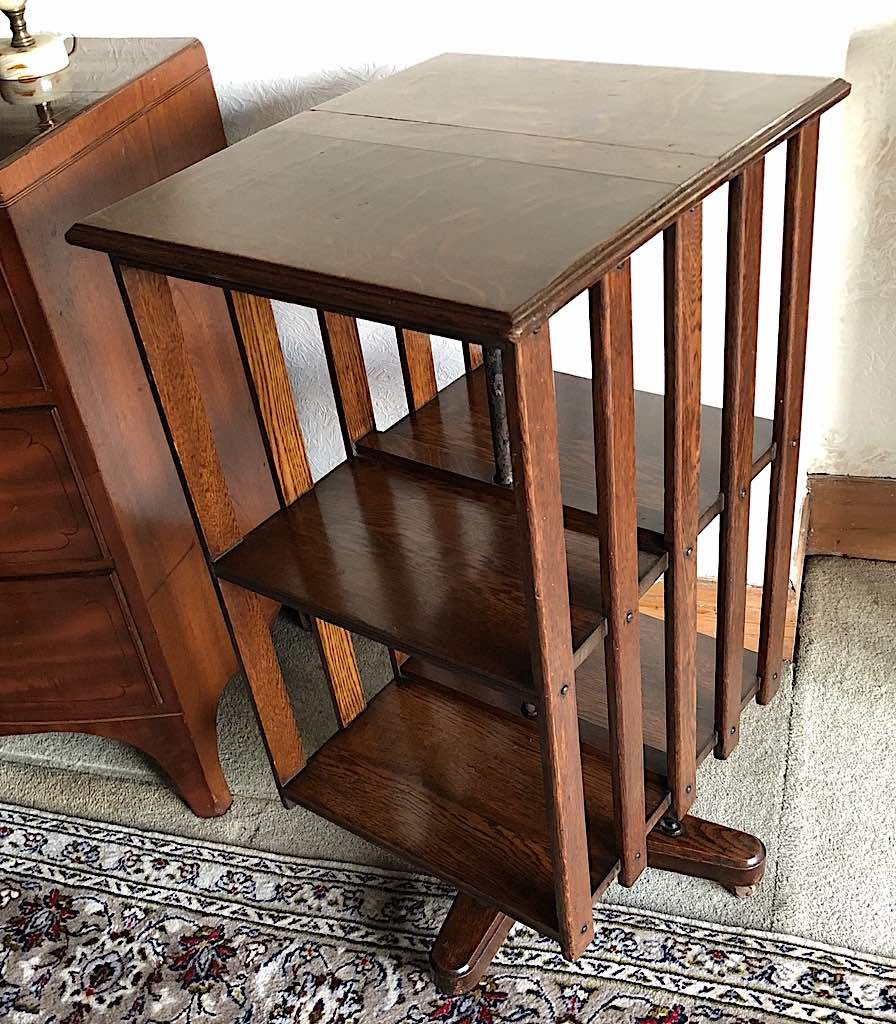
[
  {"x": 741, "y": 330},
  {"x": 683, "y": 290},
  {"x": 342, "y": 345},
  {"x": 497, "y": 411},
  {"x": 417, "y": 367},
  {"x": 160, "y": 339},
  {"x": 799, "y": 215},
  {"x": 532, "y": 415},
  {"x": 614, "y": 446},
  {"x": 256, "y": 333}
]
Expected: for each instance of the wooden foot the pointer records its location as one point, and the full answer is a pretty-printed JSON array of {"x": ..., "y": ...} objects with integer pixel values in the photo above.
[
  {"x": 469, "y": 938},
  {"x": 704, "y": 849}
]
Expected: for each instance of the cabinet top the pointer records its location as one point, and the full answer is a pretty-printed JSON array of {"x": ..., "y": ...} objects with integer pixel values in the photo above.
[
  {"x": 470, "y": 196},
  {"x": 98, "y": 68}
]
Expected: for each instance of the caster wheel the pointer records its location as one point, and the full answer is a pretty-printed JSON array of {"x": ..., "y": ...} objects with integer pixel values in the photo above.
[{"x": 742, "y": 892}]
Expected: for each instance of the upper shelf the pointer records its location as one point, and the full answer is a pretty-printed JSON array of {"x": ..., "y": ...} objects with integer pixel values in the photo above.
[
  {"x": 419, "y": 562},
  {"x": 469, "y": 196},
  {"x": 452, "y": 433}
]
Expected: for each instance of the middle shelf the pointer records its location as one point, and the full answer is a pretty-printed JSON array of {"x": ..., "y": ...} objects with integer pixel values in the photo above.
[{"x": 421, "y": 562}]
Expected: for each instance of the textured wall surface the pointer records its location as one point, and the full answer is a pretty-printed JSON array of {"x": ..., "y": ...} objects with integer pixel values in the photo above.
[{"x": 311, "y": 53}]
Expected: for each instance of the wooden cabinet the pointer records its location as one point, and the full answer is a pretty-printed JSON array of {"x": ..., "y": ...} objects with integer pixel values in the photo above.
[{"x": 109, "y": 622}]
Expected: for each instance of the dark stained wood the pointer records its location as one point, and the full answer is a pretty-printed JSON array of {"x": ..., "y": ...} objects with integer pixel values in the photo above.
[
  {"x": 348, "y": 375},
  {"x": 470, "y": 936},
  {"x": 614, "y": 447},
  {"x": 707, "y": 850},
  {"x": 636, "y": 148},
  {"x": 417, "y": 368},
  {"x": 158, "y": 332},
  {"x": 591, "y": 693},
  {"x": 741, "y": 331},
  {"x": 683, "y": 300},
  {"x": 799, "y": 215},
  {"x": 452, "y": 435},
  {"x": 473, "y": 776},
  {"x": 138, "y": 111},
  {"x": 43, "y": 516},
  {"x": 423, "y": 564},
  {"x": 532, "y": 422},
  {"x": 256, "y": 332}
]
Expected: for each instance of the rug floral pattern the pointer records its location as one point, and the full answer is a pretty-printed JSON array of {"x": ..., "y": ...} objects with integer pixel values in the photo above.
[{"x": 102, "y": 925}]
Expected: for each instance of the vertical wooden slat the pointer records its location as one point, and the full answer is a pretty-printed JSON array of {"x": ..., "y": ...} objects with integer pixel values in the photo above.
[
  {"x": 683, "y": 287},
  {"x": 614, "y": 447},
  {"x": 532, "y": 415},
  {"x": 160, "y": 337},
  {"x": 348, "y": 374},
  {"x": 417, "y": 368},
  {"x": 741, "y": 330},
  {"x": 472, "y": 356},
  {"x": 799, "y": 214},
  {"x": 256, "y": 333}
]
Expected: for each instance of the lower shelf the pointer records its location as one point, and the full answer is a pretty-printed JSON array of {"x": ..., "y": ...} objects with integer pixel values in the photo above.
[
  {"x": 591, "y": 693},
  {"x": 456, "y": 788}
]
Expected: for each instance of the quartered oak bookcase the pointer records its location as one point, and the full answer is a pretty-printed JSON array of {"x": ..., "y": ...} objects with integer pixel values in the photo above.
[{"x": 540, "y": 739}]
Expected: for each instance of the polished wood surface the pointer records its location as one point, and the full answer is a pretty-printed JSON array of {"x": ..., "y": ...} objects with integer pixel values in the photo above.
[
  {"x": 631, "y": 150},
  {"x": 683, "y": 305},
  {"x": 614, "y": 446},
  {"x": 421, "y": 564},
  {"x": 417, "y": 368},
  {"x": 799, "y": 218},
  {"x": 473, "y": 776},
  {"x": 470, "y": 936},
  {"x": 105, "y": 506},
  {"x": 741, "y": 334},
  {"x": 704, "y": 849},
  {"x": 452, "y": 434},
  {"x": 532, "y": 420}
]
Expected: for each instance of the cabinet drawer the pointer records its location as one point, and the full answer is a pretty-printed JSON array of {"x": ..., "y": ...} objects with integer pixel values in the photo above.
[
  {"x": 68, "y": 653},
  {"x": 43, "y": 517},
  {"x": 18, "y": 371}
]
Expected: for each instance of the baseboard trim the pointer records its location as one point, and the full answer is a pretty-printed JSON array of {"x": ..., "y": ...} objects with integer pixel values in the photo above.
[
  {"x": 853, "y": 516},
  {"x": 707, "y": 593}
]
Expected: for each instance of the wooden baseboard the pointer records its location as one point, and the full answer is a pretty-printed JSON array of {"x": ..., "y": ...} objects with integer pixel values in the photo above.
[
  {"x": 853, "y": 516},
  {"x": 652, "y": 604}
]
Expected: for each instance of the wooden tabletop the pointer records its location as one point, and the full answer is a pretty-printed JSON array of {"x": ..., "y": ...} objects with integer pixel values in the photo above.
[{"x": 469, "y": 196}]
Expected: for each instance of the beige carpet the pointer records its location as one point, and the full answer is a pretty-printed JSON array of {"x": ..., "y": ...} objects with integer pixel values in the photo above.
[{"x": 813, "y": 776}]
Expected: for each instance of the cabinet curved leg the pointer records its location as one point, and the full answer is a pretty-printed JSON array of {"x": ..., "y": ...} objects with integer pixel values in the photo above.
[
  {"x": 704, "y": 849},
  {"x": 469, "y": 938}
]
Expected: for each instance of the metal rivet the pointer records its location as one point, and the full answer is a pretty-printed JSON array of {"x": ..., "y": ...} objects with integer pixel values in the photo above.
[
  {"x": 688, "y": 552},
  {"x": 529, "y": 710},
  {"x": 733, "y": 729},
  {"x": 793, "y": 443},
  {"x": 629, "y": 616},
  {"x": 638, "y": 855},
  {"x": 743, "y": 492},
  {"x": 584, "y": 929},
  {"x": 564, "y": 690},
  {"x": 774, "y": 675},
  {"x": 688, "y": 789}
]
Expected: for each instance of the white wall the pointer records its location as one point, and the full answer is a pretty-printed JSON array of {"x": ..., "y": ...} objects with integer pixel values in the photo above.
[{"x": 317, "y": 53}]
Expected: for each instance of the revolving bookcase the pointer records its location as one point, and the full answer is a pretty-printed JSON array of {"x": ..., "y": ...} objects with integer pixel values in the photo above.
[{"x": 540, "y": 739}]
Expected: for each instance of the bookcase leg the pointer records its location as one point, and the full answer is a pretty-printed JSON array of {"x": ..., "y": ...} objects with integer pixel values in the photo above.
[
  {"x": 703, "y": 849},
  {"x": 470, "y": 936}
]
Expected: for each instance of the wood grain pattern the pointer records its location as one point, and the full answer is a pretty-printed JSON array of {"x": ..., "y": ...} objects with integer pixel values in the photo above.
[
  {"x": 348, "y": 375},
  {"x": 474, "y": 777},
  {"x": 741, "y": 332},
  {"x": 337, "y": 653},
  {"x": 614, "y": 446},
  {"x": 18, "y": 369},
  {"x": 799, "y": 216},
  {"x": 853, "y": 516},
  {"x": 158, "y": 332},
  {"x": 269, "y": 382},
  {"x": 706, "y": 850},
  {"x": 417, "y": 368},
  {"x": 683, "y": 298},
  {"x": 452, "y": 435},
  {"x": 448, "y": 196},
  {"x": 532, "y": 419},
  {"x": 472, "y": 356},
  {"x": 470, "y": 936}
]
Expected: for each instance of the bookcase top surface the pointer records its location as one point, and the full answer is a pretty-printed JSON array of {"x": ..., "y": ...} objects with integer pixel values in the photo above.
[{"x": 470, "y": 196}]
